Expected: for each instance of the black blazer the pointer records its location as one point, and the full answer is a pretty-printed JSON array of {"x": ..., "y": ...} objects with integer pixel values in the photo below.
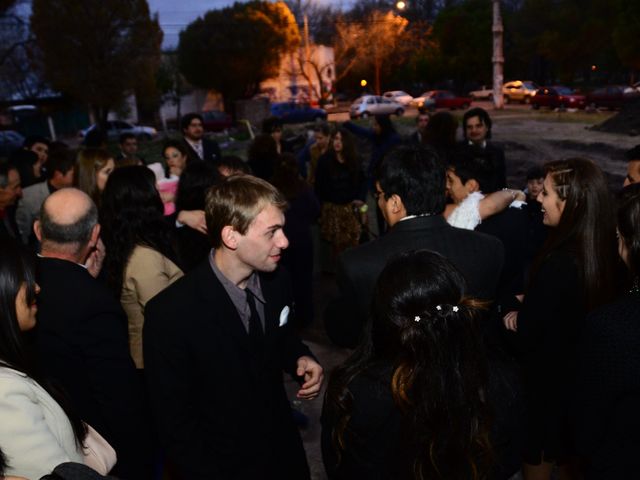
[
  {"x": 219, "y": 414},
  {"x": 478, "y": 256},
  {"x": 210, "y": 152},
  {"x": 81, "y": 342}
]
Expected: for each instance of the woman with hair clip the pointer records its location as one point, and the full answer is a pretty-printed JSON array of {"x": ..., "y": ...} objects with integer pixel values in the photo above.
[
  {"x": 410, "y": 403},
  {"x": 575, "y": 272},
  {"x": 341, "y": 189},
  {"x": 605, "y": 411},
  {"x": 38, "y": 430},
  {"x": 140, "y": 261}
]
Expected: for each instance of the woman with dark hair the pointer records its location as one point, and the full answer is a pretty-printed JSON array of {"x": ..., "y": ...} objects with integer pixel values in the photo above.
[
  {"x": 140, "y": 260},
  {"x": 605, "y": 404},
  {"x": 266, "y": 148},
  {"x": 175, "y": 156},
  {"x": 341, "y": 189},
  {"x": 440, "y": 134},
  {"x": 38, "y": 430},
  {"x": 303, "y": 210},
  {"x": 575, "y": 272},
  {"x": 192, "y": 246},
  {"x": 410, "y": 402},
  {"x": 93, "y": 167}
]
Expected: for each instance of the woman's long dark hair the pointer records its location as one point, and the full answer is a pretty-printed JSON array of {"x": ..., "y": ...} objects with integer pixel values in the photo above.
[
  {"x": 131, "y": 214},
  {"x": 194, "y": 182},
  {"x": 16, "y": 269},
  {"x": 426, "y": 329},
  {"x": 349, "y": 152},
  {"x": 586, "y": 227},
  {"x": 629, "y": 226}
]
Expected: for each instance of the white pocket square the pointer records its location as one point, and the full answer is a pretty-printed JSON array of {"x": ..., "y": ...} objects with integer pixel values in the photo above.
[{"x": 284, "y": 316}]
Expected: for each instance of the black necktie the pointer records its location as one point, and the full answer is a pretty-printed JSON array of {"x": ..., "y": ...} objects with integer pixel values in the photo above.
[{"x": 256, "y": 335}]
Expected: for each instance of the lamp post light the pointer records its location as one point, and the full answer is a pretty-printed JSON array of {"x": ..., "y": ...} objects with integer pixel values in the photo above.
[{"x": 498, "y": 57}]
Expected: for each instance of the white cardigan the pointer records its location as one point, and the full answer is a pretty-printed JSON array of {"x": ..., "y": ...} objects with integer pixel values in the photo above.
[{"x": 35, "y": 433}]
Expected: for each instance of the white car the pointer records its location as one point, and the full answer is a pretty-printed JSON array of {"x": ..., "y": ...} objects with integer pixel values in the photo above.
[
  {"x": 368, "y": 105},
  {"x": 485, "y": 93},
  {"x": 117, "y": 127},
  {"x": 398, "y": 96}
]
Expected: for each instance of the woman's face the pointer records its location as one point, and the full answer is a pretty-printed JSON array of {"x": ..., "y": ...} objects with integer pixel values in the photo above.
[
  {"x": 102, "y": 175},
  {"x": 276, "y": 134},
  {"x": 552, "y": 204},
  {"x": 337, "y": 142},
  {"x": 25, "y": 312},
  {"x": 623, "y": 251},
  {"x": 175, "y": 160}
]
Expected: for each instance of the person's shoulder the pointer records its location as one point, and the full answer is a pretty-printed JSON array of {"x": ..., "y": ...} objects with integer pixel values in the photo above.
[
  {"x": 182, "y": 293},
  {"x": 35, "y": 190},
  {"x": 12, "y": 382}
]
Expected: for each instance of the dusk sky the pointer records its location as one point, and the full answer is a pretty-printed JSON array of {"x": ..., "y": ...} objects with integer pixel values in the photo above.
[{"x": 175, "y": 15}]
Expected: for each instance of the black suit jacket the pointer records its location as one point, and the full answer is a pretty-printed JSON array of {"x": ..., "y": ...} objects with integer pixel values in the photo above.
[
  {"x": 218, "y": 413},
  {"x": 478, "y": 256},
  {"x": 210, "y": 152},
  {"x": 81, "y": 342}
]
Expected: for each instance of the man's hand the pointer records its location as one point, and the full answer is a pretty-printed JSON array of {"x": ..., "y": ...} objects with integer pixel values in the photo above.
[
  {"x": 95, "y": 259},
  {"x": 510, "y": 321},
  {"x": 193, "y": 219},
  {"x": 313, "y": 376}
]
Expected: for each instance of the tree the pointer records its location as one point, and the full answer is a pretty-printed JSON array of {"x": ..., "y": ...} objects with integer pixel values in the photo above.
[
  {"x": 375, "y": 42},
  {"x": 233, "y": 49},
  {"x": 95, "y": 51}
]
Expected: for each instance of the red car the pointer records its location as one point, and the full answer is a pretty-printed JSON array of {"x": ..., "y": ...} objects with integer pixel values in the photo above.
[
  {"x": 441, "y": 99},
  {"x": 216, "y": 121},
  {"x": 612, "y": 96},
  {"x": 557, "y": 97}
]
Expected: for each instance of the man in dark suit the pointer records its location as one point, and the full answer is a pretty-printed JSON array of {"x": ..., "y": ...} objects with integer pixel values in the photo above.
[
  {"x": 81, "y": 335},
  {"x": 476, "y": 130},
  {"x": 410, "y": 190},
  {"x": 199, "y": 148},
  {"x": 217, "y": 341}
]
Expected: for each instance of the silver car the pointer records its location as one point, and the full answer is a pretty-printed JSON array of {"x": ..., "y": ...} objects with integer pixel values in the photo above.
[{"x": 368, "y": 105}]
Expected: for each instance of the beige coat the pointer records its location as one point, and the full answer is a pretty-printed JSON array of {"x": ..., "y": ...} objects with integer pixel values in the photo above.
[{"x": 148, "y": 272}]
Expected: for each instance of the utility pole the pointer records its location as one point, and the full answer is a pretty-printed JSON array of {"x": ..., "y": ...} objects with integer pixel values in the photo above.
[
  {"x": 307, "y": 54},
  {"x": 498, "y": 57}
]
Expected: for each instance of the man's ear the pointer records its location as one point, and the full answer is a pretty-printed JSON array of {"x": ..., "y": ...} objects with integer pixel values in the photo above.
[
  {"x": 95, "y": 235},
  {"x": 229, "y": 237},
  {"x": 396, "y": 203},
  {"x": 472, "y": 185},
  {"x": 37, "y": 229}
]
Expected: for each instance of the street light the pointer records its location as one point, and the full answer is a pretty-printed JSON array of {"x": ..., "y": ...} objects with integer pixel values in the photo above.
[
  {"x": 400, "y": 5},
  {"x": 363, "y": 83}
]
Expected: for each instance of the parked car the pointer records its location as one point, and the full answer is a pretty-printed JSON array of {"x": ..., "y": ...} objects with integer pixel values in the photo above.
[
  {"x": 115, "y": 128},
  {"x": 519, "y": 91},
  {"x": 290, "y": 112},
  {"x": 441, "y": 99},
  {"x": 485, "y": 93},
  {"x": 633, "y": 90},
  {"x": 611, "y": 96},
  {"x": 10, "y": 140},
  {"x": 374, "y": 105},
  {"x": 398, "y": 96},
  {"x": 558, "y": 96},
  {"x": 216, "y": 121}
]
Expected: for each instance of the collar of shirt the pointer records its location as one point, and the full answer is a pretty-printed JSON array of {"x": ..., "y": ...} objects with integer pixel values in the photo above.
[
  {"x": 409, "y": 217},
  {"x": 483, "y": 145},
  {"x": 238, "y": 295},
  {"x": 197, "y": 146},
  {"x": 56, "y": 258}
]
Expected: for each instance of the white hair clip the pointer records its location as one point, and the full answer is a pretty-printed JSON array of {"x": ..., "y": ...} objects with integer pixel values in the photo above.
[
  {"x": 438, "y": 307},
  {"x": 455, "y": 309},
  {"x": 416, "y": 318}
]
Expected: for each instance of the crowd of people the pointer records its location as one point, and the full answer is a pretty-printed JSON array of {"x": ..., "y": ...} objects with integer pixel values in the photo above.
[{"x": 149, "y": 308}]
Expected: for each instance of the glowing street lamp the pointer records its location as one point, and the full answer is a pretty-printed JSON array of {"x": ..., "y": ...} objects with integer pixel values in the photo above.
[
  {"x": 400, "y": 5},
  {"x": 363, "y": 83}
]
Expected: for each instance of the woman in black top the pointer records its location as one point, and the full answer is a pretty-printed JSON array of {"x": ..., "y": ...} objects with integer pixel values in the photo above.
[
  {"x": 341, "y": 188},
  {"x": 410, "y": 403},
  {"x": 574, "y": 273},
  {"x": 605, "y": 411}
]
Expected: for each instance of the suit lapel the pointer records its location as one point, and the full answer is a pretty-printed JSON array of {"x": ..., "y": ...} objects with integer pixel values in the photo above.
[{"x": 219, "y": 306}]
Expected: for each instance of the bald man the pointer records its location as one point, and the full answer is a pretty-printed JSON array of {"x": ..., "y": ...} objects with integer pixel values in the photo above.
[
  {"x": 633, "y": 169},
  {"x": 81, "y": 333}
]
